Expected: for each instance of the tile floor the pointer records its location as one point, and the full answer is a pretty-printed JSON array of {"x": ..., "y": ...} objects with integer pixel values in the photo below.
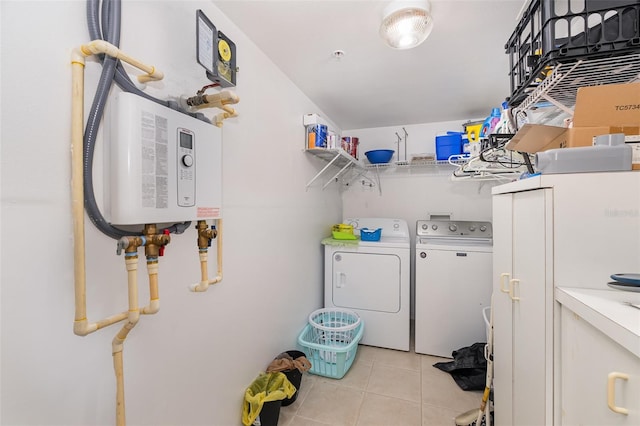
[{"x": 383, "y": 387}]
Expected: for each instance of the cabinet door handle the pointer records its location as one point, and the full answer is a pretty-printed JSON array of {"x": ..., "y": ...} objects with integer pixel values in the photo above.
[
  {"x": 512, "y": 285},
  {"x": 503, "y": 281},
  {"x": 611, "y": 392}
]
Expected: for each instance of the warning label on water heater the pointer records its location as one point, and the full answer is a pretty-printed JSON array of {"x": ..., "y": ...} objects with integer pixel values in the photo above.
[
  {"x": 154, "y": 146},
  {"x": 208, "y": 212}
]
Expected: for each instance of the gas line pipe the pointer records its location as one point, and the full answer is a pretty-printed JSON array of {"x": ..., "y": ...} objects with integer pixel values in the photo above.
[
  {"x": 205, "y": 235},
  {"x": 217, "y": 100}
]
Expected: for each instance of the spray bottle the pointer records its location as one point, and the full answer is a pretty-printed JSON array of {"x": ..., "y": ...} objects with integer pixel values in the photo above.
[
  {"x": 503, "y": 125},
  {"x": 490, "y": 123}
]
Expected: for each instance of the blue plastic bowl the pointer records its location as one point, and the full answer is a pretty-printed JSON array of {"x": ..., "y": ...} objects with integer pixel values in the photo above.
[{"x": 379, "y": 156}]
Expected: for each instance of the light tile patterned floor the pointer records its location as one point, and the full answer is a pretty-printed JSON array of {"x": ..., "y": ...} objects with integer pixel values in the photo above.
[{"x": 383, "y": 387}]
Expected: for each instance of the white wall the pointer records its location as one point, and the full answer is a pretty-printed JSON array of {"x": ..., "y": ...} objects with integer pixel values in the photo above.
[{"x": 190, "y": 363}]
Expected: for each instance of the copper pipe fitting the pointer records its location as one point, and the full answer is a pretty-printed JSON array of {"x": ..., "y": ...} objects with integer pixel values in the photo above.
[
  {"x": 155, "y": 242},
  {"x": 205, "y": 234},
  {"x": 128, "y": 244}
]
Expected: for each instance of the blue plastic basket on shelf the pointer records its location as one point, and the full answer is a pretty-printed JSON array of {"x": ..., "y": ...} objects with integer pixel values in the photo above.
[{"x": 330, "y": 341}]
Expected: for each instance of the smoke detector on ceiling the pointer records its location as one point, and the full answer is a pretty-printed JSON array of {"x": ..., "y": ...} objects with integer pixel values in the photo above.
[{"x": 406, "y": 24}]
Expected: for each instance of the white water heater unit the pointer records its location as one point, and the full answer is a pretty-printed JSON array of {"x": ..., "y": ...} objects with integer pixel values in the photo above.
[{"x": 161, "y": 165}]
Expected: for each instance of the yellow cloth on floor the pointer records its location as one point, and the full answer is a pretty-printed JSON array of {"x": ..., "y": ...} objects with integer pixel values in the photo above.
[{"x": 267, "y": 387}]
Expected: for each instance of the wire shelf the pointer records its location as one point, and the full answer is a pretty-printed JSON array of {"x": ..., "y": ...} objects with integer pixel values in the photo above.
[
  {"x": 414, "y": 164},
  {"x": 560, "y": 88},
  {"x": 334, "y": 157}
]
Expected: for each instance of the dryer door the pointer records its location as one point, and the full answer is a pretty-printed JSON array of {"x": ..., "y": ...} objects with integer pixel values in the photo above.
[{"x": 367, "y": 281}]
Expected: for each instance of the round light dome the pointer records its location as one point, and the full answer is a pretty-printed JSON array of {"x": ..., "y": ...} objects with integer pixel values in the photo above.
[{"x": 406, "y": 24}]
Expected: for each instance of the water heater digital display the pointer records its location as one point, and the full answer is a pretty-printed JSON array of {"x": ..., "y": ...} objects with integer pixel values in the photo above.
[
  {"x": 186, "y": 169},
  {"x": 161, "y": 165}
]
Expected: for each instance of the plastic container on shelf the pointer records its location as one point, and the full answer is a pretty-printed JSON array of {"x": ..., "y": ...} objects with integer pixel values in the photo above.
[
  {"x": 316, "y": 136},
  {"x": 448, "y": 145},
  {"x": 551, "y": 32},
  {"x": 490, "y": 123},
  {"x": 585, "y": 159},
  {"x": 350, "y": 145},
  {"x": 473, "y": 131}
]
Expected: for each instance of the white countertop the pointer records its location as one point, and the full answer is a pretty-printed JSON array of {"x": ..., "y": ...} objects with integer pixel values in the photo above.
[
  {"x": 606, "y": 311},
  {"x": 533, "y": 182},
  {"x": 613, "y": 179}
]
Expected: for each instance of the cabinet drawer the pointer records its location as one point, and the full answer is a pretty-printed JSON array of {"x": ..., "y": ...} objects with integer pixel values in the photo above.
[{"x": 588, "y": 358}]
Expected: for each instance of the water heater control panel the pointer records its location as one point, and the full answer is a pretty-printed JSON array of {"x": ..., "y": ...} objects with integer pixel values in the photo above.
[
  {"x": 186, "y": 168},
  {"x": 160, "y": 165}
]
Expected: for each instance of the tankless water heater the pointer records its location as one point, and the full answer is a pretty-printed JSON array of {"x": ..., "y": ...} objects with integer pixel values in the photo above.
[{"x": 161, "y": 165}]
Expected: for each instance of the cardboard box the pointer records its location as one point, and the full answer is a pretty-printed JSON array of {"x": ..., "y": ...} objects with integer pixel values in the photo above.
[
  {"x": 608, "y": 105},
  {"x": 600, "y": 110}
]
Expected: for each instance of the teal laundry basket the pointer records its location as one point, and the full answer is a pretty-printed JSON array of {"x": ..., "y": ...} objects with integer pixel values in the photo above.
[{"x": 330, "y": 341}]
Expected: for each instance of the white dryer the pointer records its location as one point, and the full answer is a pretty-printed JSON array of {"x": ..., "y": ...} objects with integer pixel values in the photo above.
[
  {"x": 372, "y": 279},
  {"x": 453, "y": 273}
]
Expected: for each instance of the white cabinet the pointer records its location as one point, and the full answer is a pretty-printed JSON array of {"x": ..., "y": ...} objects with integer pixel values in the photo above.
[
  {"x": 523, "y": 308},
  {"x": 571, "y": 230},
  {"x": 600, "y": 377}
]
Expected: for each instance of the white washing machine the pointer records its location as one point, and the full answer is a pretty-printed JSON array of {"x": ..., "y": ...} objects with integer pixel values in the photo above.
[
  {"x": 453, "y": 273},
  {"x": 372, "y": 279}
]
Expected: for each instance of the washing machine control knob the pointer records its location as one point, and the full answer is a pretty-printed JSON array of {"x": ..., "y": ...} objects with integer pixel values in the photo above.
[
  {"x": 483, "y": 228},
  {"x": 425, "y": 226},
  {"x": 434, "y": 227},
  {"x": 472, "y": 228},
  {"x": 453, "y": 227}
]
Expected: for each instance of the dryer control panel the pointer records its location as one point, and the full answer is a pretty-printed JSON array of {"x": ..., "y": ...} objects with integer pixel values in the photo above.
[
  {"x": 396, "y": 228},
  {"x": 453, "y": 229}
]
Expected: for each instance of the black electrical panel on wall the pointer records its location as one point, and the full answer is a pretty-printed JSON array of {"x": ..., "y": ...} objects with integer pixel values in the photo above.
[{"x": 215, "y": 52}]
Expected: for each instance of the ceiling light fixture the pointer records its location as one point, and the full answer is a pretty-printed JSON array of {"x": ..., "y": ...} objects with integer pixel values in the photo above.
[{"x": 406, "y": 24}]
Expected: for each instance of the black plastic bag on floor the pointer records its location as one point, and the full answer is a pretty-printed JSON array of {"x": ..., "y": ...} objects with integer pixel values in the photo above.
[{"x": 468, "y": 368}]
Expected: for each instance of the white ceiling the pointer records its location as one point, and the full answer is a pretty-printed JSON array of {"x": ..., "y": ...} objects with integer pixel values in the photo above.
[{"x": 459, "y": 72}]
